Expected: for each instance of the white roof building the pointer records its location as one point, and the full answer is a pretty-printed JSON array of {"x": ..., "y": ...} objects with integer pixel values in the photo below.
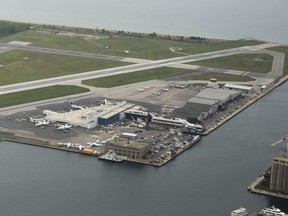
[
  {"x": 91, "y": 117},
  {"x": 246, "y": 89},
  {"x": 222, "y": 95}
]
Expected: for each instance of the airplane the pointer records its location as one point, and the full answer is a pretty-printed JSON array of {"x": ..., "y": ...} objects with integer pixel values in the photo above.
[
  {"x": 42, "y": 123},
  {"x": 97, "y": 143},
  {"x": 32, "y": 120},
  {"x": 80, "y": 147},
  {"x": 74, "y": 106},
  {"x": 63, "y": 127}
]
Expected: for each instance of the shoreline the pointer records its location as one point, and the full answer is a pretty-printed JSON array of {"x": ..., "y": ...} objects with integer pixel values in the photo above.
[
  {"x": 132, "y": 33},
  {"x": 252, "y": 101},
  {"x": 252, "y": 188}
]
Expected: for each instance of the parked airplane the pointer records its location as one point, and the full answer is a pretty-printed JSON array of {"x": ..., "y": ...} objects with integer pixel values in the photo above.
[
  {"x": 32, "y": 120},
  {"x": 63, "y": 127},
  {"x": 74, "y": 106},
  {"x": 42, "y": 123}
]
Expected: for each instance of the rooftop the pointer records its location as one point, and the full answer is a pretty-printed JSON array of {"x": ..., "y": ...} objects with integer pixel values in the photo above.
[
  {"x": 79, "y": 117},
  {"x": 242, "y": 87},
  {"x": 192, "y": 110},
  {"x": 126, "y": 143},
  {"x": 217, "y": 94},
  {"x": 199, "y": 100}
]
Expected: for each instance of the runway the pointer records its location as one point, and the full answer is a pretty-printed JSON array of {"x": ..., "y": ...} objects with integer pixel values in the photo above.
[{"x": 144, "y": 65}]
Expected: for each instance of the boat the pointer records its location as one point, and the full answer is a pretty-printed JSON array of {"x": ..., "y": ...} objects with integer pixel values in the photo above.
[
  {"x": 110, "y": 156},
  {"x": 272, "y": 211},
  {"x": 239, "y": 212}
]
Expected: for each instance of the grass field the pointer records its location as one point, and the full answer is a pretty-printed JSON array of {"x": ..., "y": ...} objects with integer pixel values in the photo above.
[
  {"x": 20, "y": 66},
  {"x": 138, "y": 47},
  {"x": 283, "y": 49},
  {"x": 260, "y": 63},
  {"x": 12, "y": 99},
  {"x": 224, "y": 77},
  {"x": 129, "y": 78}
]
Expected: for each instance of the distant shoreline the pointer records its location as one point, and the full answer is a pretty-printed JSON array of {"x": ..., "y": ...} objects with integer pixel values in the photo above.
[{"x": 130, "y": 31}]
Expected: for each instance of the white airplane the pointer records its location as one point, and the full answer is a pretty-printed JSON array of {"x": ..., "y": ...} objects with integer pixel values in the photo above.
[
  {"x": 42, "y": 123},
  {"x": 97, "y": 143},
  {"x": 63, "y": 127},
  {"x": 32, "y": 120},
  {"x": 74, "y": 106}
]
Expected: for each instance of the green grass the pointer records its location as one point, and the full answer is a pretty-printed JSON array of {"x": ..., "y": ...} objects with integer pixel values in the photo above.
[
  {"x": 243, "y": 62},
  {"x": 283, "y": 49},
  {"x": 129, "y": 78},
  {"x": 139, "y": 47},
  {"x": 224, "y": 77},
  {"x": 22, "y": 66},
  {"x": 12, "y": 99}
]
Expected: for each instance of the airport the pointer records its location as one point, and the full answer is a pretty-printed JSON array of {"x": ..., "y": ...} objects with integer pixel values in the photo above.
[
  {"x": 129, "y": 130},
  {"x": 149, "y": 122}
]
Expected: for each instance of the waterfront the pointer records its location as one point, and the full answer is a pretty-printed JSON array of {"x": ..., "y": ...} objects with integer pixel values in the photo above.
[
  {"x": 210, "y": 179},
  {"x": 264, "y": 20}
]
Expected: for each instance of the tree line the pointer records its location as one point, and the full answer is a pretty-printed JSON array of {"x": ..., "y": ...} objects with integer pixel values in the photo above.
[{"x": 9, "y": 28}]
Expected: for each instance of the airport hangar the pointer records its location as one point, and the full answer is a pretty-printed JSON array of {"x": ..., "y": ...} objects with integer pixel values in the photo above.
[{"x": 206, "y": 102}]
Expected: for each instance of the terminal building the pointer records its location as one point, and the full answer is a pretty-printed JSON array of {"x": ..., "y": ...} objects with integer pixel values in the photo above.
[
  {"x": 129, "y": 148},
  {"x": 279, "y": 175},
  {"x": 91, "y": 117}
]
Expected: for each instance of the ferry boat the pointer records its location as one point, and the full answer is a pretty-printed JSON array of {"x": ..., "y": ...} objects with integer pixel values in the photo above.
[
  {"x": 239, "y": 212},
  {"x": 272, "y": 211},
  {"x": 110, "y": 156}
]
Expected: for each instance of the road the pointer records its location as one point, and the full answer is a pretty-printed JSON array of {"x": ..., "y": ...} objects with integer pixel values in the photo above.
[{"x": 144, "y": 65}]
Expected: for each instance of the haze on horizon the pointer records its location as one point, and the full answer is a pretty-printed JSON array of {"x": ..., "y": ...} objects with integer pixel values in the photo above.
[{"x": 265, "y": 19}]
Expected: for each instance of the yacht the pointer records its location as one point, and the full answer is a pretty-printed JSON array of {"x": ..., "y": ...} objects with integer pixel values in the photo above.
[
  {"x": 239, "y": 212},
  {"x": 110, "y": 156},
  {"x": 272, "y": 211}
]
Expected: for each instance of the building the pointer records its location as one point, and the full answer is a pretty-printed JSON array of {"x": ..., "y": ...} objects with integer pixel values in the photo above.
[
  {"x": 213, "y": 83},
  {"x": 242, "y": 88},
  {"x": 223, "y": 96},
  {"x": 129, "y": 148},
  {"x": 279, "y": 175},
  {"x": 91, "y": 117},
  {"x": 197, "y": 109}
]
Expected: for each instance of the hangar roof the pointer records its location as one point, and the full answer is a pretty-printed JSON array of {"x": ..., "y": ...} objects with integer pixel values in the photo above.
[{"x": 218, "y": 94}]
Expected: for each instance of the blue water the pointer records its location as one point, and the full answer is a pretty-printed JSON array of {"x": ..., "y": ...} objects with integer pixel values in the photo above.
[
  {"x": 261, "y": 19},
  {"x": 209, "y": 179}
]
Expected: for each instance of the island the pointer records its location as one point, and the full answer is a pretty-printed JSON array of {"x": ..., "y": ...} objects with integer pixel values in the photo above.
[{"x": 127, "y": 96}]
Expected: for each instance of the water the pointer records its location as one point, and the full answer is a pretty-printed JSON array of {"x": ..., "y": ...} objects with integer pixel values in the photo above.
[
  {"x": 209, "y": 179},
  {"x": 261, "y": 19}
]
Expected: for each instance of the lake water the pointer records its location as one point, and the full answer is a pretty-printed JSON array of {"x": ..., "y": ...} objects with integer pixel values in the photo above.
[
  {"x": 261, "y": 19},
  {"x": 209, "y": 179}
]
